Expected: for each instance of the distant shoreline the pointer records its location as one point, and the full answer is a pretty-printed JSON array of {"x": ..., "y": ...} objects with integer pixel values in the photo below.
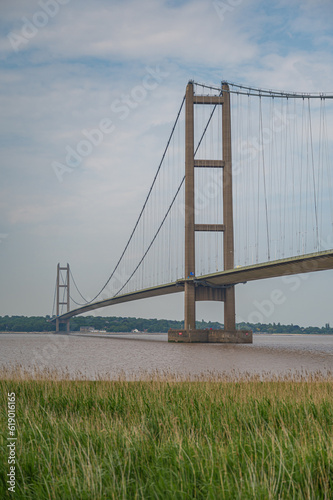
[{"x": 151, "y": 333}]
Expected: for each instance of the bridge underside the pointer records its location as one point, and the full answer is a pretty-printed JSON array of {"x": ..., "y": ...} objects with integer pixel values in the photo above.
[
  {"x": 320, "y": 261},
  {"x": 212, "y": 286}
]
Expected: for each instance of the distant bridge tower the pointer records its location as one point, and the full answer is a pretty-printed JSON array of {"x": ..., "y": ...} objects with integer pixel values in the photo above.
[
  {"x": 62, "y": 294},
  {"x": 194, "y": 293}
]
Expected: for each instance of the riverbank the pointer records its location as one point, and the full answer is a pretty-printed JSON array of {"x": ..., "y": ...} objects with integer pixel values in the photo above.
[{"x": 163, "y": 438}]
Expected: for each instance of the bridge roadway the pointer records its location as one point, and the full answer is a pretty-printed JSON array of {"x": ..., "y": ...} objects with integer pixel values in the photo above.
[{"x": 320, "y": 261}]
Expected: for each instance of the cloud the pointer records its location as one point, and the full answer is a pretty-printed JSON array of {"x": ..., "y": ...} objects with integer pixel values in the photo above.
[{"x": 127, "y": 31}]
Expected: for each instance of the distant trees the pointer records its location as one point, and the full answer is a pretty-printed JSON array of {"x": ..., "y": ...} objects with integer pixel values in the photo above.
[
  {"x": 25, "y": 324},
  {"x": 118, "y": 324},
  {"x": 278, "y": 328}
]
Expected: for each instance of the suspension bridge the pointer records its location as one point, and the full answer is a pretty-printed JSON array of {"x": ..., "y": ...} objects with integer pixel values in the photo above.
[{"x": 243, "y": 192}]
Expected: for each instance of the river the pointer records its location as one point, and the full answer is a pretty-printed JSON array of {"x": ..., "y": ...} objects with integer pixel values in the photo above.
[{"x": 131, "y": 356}]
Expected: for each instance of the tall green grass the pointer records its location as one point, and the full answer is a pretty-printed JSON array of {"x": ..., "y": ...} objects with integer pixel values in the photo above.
[{"x": 169, "y": 439}]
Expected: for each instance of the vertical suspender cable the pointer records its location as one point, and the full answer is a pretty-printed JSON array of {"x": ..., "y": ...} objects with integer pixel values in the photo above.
[
  {"x": 313, "y": 177},
  {"x": 264, "y": 179}
]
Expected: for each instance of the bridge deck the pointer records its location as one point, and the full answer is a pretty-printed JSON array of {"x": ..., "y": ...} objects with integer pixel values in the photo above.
[{"x": 320, "y": 261}]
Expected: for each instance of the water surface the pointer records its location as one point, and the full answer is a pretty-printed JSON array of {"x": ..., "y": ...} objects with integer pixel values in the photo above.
[{"x": 131, "y": 355}]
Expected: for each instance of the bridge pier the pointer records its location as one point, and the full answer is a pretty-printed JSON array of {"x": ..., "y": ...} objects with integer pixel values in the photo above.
[
  {"x": 67, "y": 322},
  {"x": 229, "y": 309},
  {"x": 210, "y": 336},
  {"x": 192, "y": 294},
  {"x": 189, "y": 306}
]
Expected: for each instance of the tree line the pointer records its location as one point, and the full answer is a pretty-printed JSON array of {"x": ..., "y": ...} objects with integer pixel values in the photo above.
[{"x": 127, "y": 324}]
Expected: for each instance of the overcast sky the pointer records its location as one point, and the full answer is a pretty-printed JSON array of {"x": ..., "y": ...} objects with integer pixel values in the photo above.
[{"x": 65, "y": 67}]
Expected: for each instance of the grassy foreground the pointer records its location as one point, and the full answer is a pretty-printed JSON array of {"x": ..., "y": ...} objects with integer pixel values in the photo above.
[{"x": 169, "y": 439}]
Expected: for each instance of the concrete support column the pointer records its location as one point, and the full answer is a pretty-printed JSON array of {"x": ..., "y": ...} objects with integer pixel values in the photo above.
[
  {"x": 189, "y": 306},
  {"x": 228, "y": 237}
]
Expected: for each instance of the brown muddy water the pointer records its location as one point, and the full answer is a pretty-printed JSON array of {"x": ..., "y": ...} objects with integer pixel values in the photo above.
[{"x": 137, "y": 355}]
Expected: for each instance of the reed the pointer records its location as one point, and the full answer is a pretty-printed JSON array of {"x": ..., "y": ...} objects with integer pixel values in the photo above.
[{"x": 170, "y": 439}]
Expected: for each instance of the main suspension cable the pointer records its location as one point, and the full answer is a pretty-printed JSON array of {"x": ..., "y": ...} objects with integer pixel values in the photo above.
[
  {"x": 246, "y": 90},
  {"x": 142, "y": 210},
  {"x": 170, "y": 206}
]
